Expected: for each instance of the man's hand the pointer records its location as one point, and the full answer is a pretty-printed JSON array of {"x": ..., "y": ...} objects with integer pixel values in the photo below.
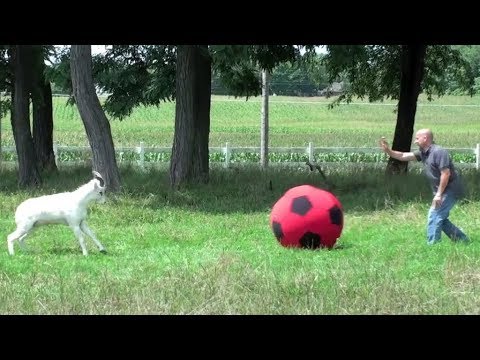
[
  {"x": 437, "y": 201},
  {"x": 384, "y": 145}
]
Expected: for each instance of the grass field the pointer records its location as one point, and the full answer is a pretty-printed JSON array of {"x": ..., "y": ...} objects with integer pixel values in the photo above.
[
  {"x": 209, "y": 249},
  {"x": 293, "y": 122}
]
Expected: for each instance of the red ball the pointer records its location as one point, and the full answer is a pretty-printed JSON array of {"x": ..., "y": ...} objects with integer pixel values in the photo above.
[{"x": 307, "y": 217}]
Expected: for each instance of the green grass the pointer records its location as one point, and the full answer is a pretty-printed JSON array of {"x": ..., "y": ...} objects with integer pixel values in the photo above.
[
  {"x": 293, "y": 122},
  {"x": 210, "y": 250}
]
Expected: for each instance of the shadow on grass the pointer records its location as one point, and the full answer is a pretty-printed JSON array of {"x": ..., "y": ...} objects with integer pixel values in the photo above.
[
  {"x": 342, "y": 247},
  {"x": 59, "y": 251},
  {"x": 39, "y": 251},
  {"x": 71, "y": 251},
  {"x": 249, "y": 189},
  {"x": 62, "y": 251}
]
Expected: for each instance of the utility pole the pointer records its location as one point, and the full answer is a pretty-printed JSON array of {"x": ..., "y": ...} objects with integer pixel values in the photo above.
[{"x": 264, "y": 127}]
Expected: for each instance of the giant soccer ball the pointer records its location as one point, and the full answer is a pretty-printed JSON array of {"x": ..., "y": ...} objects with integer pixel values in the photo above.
[{"x": 307, "y": 217}]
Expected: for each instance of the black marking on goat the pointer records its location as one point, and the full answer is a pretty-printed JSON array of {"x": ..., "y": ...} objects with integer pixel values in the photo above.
[{"x": 99, "y": 177}]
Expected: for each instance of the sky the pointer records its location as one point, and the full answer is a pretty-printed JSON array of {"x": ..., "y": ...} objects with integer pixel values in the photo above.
[{"x": 98, "y": 49}]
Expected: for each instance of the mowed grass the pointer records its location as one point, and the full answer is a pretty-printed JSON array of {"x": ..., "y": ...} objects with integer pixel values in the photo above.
[
  {"x": 293, "y": 122},
  {"x": 209, "y": 249}
]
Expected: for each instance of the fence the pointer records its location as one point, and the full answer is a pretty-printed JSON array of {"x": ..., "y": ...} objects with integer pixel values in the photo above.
[{"x": 228, "y": 150}]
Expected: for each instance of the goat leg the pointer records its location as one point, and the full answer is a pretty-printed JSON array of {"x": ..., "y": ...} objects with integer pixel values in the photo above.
[
  {"x": 79, "y": 235},
  {"x": 19, "y": 234},
  {"x": 86, "y": 229}
]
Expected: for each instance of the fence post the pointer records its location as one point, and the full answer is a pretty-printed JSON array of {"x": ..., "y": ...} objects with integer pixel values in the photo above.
[
  {"x": 226, "y": 151},
  {"x": 310, "y": 152},
  {"x": 141, "y": 151},
  {"x": 55, "y": 153},
  {"x": 477, "y": 157}
]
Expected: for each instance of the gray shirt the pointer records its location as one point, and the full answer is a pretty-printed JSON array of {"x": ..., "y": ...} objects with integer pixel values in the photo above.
[{"x": 435, "y": 159}]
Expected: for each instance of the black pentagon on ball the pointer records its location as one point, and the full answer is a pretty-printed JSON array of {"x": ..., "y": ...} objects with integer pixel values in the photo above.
[
  {"x": 310, "y": 240},
  {"x": 301, "y": 205},
  {"x": 336, "y": 215},
  {"x": 277, "y": 230}
]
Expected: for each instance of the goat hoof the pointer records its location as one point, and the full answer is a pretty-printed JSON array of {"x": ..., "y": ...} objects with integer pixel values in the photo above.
[{"x": 103, "y": 251}]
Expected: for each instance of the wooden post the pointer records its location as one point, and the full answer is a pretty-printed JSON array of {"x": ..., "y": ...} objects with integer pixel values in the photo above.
[
  {"x": 55, "y": 153},
  {"x": 141, "y": 151},
  {"x": 477, "y": 157},
  {"x": 226, "y": 151},
  {"x": 311, "y": 156},
  {"x": 264, "y": 122}
]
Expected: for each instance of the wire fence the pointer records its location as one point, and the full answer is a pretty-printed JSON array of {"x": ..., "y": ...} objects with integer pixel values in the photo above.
[{"x": 141, "y": 154}]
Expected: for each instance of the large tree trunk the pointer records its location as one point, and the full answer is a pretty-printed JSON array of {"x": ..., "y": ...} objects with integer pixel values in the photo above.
[
  {"x": 43, "y": 120},
  {"x": 27, "y": 164},
  {"x": 412, "y": 70},
  {"x": 96, "y": 123},
  {"x": 1, "y": 112},
  {"x": 190, "y": 154}
]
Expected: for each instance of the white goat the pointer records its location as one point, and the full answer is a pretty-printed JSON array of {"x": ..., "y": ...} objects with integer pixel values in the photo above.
[{"x": 69, "y": 208}]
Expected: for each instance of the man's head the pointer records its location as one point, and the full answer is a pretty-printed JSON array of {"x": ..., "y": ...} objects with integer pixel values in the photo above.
[{"x": 424, "y": 138}]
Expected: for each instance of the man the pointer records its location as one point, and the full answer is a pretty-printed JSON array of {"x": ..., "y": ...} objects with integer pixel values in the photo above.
[{"x": 444, "y": 180}]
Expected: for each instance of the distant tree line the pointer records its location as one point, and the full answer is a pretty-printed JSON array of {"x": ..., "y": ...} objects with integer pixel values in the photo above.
[
  {"x": 311, "y": 78},
  {"x": 146, "y": 75},
  {"x": 305, "y": 77},
  {"x": 471, "y": 53}
]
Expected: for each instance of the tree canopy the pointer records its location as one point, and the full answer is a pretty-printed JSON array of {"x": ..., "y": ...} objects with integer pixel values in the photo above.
[{"x": 373, "y": 71}]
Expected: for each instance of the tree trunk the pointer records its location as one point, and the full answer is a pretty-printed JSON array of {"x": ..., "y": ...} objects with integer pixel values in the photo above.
[
  {"x": 43, "y": 121},
  {"x": 96, "y": 123},
  {"x": 27, "y": 164},
  {"x": 412, "y": 70},
  {"x": 190, "y": 154},
  {"x": 1, "y": 112}
]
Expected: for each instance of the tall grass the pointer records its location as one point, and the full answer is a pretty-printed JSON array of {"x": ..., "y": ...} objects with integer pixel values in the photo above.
[{"x": 293, "y": 122}]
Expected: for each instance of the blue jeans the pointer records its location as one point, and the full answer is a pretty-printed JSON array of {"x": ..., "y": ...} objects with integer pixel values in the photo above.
[{"x": 438, "y": 222}]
